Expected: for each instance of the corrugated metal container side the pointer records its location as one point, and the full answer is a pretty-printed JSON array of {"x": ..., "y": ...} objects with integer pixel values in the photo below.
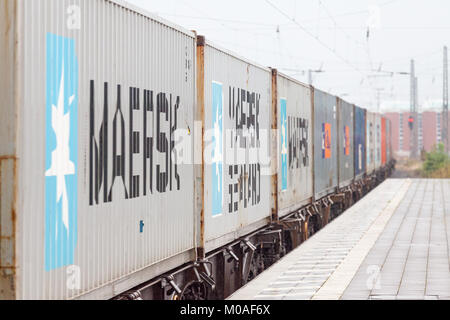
[
  {"x": 325, "y": 144},
  {"x": 378, "y": 136},
  {"x": 237, "y": 173},
  {"x": 295, "y": 162},
  {"x": 105, "y": 90},
  {"x": 370, "y": 142},
  {"x": 383, "y": 141},
  {"x": 345, "y": 143},
  {"x": 360, "y": 142}
]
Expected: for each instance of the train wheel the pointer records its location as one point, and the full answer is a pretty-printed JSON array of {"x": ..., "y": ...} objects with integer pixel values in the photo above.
[
  {"x": 256, "y": 267},
  {"x": 311, "y": 224},
  {"x": 194, "y": 291}
]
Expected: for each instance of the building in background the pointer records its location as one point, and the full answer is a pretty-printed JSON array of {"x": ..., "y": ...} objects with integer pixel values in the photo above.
[{"x": 430, "y": 130}]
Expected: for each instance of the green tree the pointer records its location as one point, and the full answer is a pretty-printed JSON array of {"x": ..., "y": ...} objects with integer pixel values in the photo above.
[{"x": 435, "y": 160}]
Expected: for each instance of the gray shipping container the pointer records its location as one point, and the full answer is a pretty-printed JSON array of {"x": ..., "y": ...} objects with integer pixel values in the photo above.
[
  {"x": 377, "y": 141},
  {"x": 237, "y": 176},
  {"x": 346, "y": 145},
  {"x": 325, "y": 144},
  {"x": 92, "y": 203},
  {"x": 295, "y": 162},
  {"x": 370, "y": 142}
]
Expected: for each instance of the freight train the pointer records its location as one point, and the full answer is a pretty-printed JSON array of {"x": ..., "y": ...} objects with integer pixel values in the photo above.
[{"x": 141, "y": 161}]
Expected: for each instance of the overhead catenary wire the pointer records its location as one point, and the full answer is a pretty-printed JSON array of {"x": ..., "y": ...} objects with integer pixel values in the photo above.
[
  {"x": 308, "y": 32},
  {"x": 264, "y": 24},
  {"x": 316, "y": 38},
  {"x": 300, "y": 64}
]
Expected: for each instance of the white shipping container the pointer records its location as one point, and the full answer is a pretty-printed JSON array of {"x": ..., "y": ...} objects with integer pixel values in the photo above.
[
  {"x": 237, "y": 177},
  {"x": 97, "y": 204},
  {"x": 295, "y": 162}
]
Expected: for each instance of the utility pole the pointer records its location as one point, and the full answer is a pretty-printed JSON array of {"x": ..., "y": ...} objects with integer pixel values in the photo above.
[
  {"x": 413, "y": 114},
  {"x": 416, "y": 117},
  {"x": 310, "y": 75},
  {"x": 445, "y": 104}
]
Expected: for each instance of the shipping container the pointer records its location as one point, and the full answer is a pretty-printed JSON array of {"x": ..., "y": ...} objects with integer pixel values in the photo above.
[
  {"x": 237, "y": 168},
  {"x": 384, "y": 135},
  {"x": 345, "y": 143},
  {"x": 370, "y": 142},
  {"x": 360, "y": 142},
  {"x": 378, "y": 136},
  {"x": 93, "y": 202},
  {"x": 325, "y": 144},
  {"x": 295, "y": 162}
]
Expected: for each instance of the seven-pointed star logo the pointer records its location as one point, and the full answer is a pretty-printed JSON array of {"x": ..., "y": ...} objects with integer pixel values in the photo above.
[{"x": 61, "y": 165}]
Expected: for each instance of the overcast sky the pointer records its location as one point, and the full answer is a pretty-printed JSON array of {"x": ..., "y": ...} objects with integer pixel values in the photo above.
[{"x": 332, "y": 36}]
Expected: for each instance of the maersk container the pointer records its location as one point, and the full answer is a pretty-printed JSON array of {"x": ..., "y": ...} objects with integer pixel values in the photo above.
[
  {"x": 295, "y": 156},
  {"x": 360, "y": 142},
  {"x": 378, "y": 137},
  {"x": 92, "y": 202},
  {"x": 237, "y": 121},
  {"x": 345, "y": 143},
  {"x": 370, "y": 142},
  {"x": 383, "y": 141},
  {"x": 325, "y": 144}
]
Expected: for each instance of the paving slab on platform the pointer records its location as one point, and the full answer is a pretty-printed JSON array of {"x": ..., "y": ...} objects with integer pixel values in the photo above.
[{"x": 393, "y": 244}]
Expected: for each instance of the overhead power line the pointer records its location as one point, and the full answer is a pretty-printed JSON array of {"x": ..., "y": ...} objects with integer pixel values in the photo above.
[
  {"x": 314, "y": 37},
  {"x": 336, "y": 25}
]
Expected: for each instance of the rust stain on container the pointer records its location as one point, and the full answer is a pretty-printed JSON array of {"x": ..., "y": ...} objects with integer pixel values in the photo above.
[
  {"x": 7, "y": 241},
  {"x": 274, "y": 126},
  {"x": 201, "y": 106}
]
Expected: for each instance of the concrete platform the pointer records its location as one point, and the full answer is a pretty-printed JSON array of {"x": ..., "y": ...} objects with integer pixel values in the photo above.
[{"x": 393, "y": 244}]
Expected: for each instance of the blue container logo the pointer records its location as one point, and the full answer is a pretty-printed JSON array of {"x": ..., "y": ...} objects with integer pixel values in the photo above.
[
  {"x": 284, "y": 144},
  {"x": 61, "y": 156},
  {"x": 217, "y": 147}
]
